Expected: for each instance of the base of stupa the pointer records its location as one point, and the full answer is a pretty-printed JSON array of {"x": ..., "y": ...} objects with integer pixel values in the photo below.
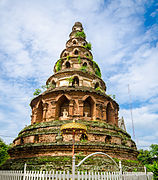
[
  {"x": 43, "y": 144},
  {"x": 64, "y": 163}
]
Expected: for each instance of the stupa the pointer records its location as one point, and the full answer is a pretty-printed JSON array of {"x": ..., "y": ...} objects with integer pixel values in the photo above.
[{"x": 77, "y": 92}]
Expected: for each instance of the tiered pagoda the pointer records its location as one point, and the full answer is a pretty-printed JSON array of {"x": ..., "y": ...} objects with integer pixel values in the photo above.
[{"x": 77, "y": 92}]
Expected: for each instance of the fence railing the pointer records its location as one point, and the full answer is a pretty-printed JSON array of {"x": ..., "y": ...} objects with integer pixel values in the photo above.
[{"x": 58, "y": 175}]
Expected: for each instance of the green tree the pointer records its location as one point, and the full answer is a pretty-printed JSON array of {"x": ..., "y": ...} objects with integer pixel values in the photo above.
[
  {"x": 153, "y": 168},
  {"x": 150, "y": 159},
  {"x": 144, "y": 156},
  {"x": 3, "y": 152},
  {"x": 154, "y": 150}
]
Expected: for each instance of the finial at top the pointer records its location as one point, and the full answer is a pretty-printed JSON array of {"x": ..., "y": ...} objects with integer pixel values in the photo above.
[
  {"x": 77, "y": 27},
  {"x": 78, "y": 23}
]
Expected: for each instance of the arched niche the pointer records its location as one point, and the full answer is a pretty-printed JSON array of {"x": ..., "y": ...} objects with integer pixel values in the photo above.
[
  {"x": 74, "y": 41},
  {"x": 39, "y": 116},
  {"x": 84, "y": 43},
  {"x": 65, "y": 54},
  {"x": 108, "y": 139},
  {"x": 75, "y": 81},
  {"x": 67, "y": 64},
  {"x": 96, "y": 85},
  {"x": 21, "y": 141},
  {"x": 87, "y": 54},
  {"x": 110, "y": 116},
  {"x": 83, "y": 137},
  {"x": 53, "y": 84},
  {"x": 88, "y": 107},
  {"x": 84, "y": 64},
  {"x": 36, "y": 138},
  {"x": 62, "y": 107},
  {"x": 76, "y": 51}
]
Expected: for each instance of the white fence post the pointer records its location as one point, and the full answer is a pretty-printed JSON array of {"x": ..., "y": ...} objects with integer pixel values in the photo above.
[
  {"x": 25, "y": 165},
  {"x": 120, "y": 167},
  {"x": 73, "y": 167},
  {"x": 145, "y": 169},
  {"x": 146, "y": 175},
  {"x": 39, "y": 175}
]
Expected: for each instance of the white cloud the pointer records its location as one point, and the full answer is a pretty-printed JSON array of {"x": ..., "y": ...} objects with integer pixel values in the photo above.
[
  {"x": 153, "y": 14},
  {"x": 145, "y": 124},
  {"x": 141, "y": 74},
  {"x": 87, "y": 5}
]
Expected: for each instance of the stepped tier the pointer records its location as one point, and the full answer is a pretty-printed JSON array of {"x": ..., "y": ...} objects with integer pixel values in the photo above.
[{"x": 45, "y": 139}]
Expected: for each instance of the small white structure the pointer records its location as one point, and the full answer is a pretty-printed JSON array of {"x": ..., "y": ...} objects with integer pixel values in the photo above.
[
  {"x": 121, "y": 124},
  {"x": 86, "y": 114},
  {"x": 65, "y": 114}
]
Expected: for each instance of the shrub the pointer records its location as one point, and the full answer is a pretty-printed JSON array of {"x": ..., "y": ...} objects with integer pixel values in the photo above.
[
  {"x": 37, "y": 92},
  {"x": 96, "y": 68},
  {"x": 80, "y": 34},
  {"x": 88, "y": 46},
  {"x": 58, "y": 65},
  {"x": 49, "y": 85},
  {"x": 99, "y": 89},
  {"x": 68, "y": 57},
  {"x": 90, "y": 57},
  {"x": 70, "y": 80},
  {"x": 79, "y": 59},
  {"x": 83, "y": 68},
  {"x": 97, "y": 72}
]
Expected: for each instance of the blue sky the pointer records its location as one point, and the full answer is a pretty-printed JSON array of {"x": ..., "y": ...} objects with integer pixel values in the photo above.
[{"x": 124, "y": 37}]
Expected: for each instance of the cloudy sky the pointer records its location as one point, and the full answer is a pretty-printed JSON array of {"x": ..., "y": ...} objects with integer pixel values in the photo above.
[{"x": 124, "y": 37}]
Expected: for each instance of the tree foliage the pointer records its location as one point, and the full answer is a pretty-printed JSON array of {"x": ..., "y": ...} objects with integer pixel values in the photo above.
[
  {"x": 154, "y": 150},
  {"x": 150, "y": 159},
  {"x": 144, "y": 156},
  {"x": 153, "y": 168},
  {"x": 3, "y": 152}
]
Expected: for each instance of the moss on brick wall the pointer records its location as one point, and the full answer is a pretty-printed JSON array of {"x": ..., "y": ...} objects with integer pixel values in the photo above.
[
  {"x": 61, "y": 163},
  {"x": 89, "y": 124},
  {"x": 84, "y": 145},
  {"x": 94, "y": 127}
]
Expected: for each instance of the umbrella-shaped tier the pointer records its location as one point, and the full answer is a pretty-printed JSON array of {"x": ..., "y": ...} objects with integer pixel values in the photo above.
[
  {"x": 73, "y": 128},
  {"x": 69, "y": 128}
]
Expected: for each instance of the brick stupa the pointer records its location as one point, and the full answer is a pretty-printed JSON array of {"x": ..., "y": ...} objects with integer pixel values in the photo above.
[{"x": 77, "y": 92}]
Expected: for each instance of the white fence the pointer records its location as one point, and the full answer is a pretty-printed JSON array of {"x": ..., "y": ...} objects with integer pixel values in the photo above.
[{"x": 52, "y": 175}]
